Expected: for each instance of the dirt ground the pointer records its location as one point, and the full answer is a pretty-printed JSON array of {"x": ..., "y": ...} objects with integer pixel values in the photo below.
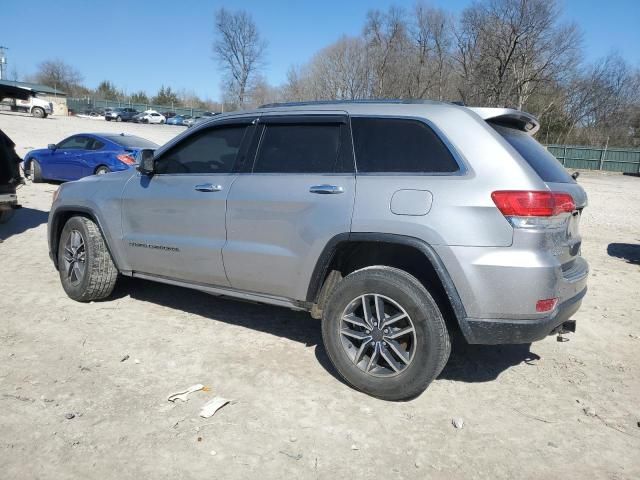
[{"x": 547, "y": 410}]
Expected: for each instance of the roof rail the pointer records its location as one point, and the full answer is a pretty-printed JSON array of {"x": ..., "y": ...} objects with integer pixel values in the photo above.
[{"x": 333, "y": 102}]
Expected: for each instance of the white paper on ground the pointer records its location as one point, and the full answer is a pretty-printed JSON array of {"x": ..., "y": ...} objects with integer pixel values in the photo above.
[
  {"x": 183, "y": 394},
  {"x": 212, "y": 406}
]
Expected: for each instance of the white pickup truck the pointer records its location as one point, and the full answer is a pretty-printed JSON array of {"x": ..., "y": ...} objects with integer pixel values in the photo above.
[{"x": 18, "y": 99}]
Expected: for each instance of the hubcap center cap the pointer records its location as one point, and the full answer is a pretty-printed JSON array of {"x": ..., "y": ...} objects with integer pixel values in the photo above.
[{"x": 376, "y": 335}]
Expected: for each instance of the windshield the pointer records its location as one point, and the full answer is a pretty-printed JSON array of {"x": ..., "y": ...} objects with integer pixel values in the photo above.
[
  {"x": 548, "y": 168},
  {"x": 130, "y": 141}
]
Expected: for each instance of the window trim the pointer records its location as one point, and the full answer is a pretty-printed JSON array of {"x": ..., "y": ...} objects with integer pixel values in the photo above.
[
  {"x": 463, "y": 168},
  {"x": 201, "y": 131},
  {"x": 345, "y": 138}
]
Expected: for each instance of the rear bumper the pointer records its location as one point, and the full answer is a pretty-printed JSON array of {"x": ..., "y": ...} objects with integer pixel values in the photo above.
[{"x": 505, "y": 331}]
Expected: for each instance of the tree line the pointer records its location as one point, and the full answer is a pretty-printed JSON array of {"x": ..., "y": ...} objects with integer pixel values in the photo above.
[{"x": 496, "y": 53}]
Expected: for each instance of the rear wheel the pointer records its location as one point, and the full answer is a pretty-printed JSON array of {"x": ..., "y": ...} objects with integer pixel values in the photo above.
[
  {"x": 86, "y": 269},
  {"x": 384, "y": 333},
  {"x": 101, "y": 170},
  {"x": 36, "y": 172}
]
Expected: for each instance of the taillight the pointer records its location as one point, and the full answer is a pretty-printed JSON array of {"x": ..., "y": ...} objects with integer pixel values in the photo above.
[
  {"x": 522, "y": 203},
  {"x": 125, "y": 158}
]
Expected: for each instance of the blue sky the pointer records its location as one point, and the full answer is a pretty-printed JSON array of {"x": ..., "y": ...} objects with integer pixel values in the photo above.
[{"x": 144, "y": 44}]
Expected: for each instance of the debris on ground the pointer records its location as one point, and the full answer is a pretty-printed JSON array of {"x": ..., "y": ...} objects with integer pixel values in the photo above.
[
  {"x": 136, "y": 361},
  {"x": 182, "y": 395},
  {"x": 212, "y": 406},
  {"x": 213, "y": 453},
  {"x": 355, "y": 447},
  {"x": 589, "y": 412},
  {"x": 291, "y": 455},
  {"x": 457, "y": 422},
  {"x": 69, "y": 416},
  {"x": 125, "y": 358}
]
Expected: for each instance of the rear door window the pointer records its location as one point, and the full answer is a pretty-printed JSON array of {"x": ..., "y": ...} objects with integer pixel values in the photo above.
[
  {"x": 399, "y": 145},
  {"x": 77, "y": 142},
  {"x": 304, "y": 148},
  {"x": 548, "y": 168}
]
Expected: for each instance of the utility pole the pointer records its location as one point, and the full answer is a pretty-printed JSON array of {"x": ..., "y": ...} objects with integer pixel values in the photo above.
[{"x": 3, "y": 61}]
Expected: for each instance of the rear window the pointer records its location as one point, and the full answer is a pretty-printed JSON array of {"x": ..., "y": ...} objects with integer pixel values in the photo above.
[
  {"x": 131, "y": 141},
  {"x": 399, "y": 145},
  {"x": 548, "y": 168}
]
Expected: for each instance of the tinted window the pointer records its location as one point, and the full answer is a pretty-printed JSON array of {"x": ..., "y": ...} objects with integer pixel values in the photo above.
[
  {"x": 311, "y": 148},
  {"x": 75, "y": 143},
  {"x": 130, "y": 141},
  {"x": 399, "y": 145},
  {"x": 209, "y": 151},
  {"x": 548, "y": 168},
  {"x": 97, "y": 145}
]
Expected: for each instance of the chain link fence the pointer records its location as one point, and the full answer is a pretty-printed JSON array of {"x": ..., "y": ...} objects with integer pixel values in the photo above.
[{"x": 96, "y": 107}]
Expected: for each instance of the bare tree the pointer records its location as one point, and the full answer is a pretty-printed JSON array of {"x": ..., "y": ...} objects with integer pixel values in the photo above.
[
  {"x": 508, "y": 48},
  {"x": 60, "y": 75},
  {"x": 240, "y": 51}
]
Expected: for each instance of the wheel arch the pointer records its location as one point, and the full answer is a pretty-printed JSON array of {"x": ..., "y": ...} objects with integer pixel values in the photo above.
[
  {"x": 60, "y": 218},
  {"x": 349, "y": 252}
]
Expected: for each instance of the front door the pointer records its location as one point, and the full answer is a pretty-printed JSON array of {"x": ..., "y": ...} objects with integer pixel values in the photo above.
[
  {"x": 298, "y": 194},
  {"x": 174, "y": 221},
  {"x": 65, "y": 160}
]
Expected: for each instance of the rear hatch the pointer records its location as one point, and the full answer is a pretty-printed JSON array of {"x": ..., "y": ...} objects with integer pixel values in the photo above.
[{"x": 517, "y": 128}]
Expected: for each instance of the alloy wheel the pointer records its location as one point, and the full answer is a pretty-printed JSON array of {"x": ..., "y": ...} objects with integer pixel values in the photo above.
[
  {"x": 75, "y": 256},
  {"x": 378, "y": 335}
]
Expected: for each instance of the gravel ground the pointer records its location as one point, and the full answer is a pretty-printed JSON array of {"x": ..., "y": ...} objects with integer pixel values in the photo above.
[{"x": 547, "y": 410}]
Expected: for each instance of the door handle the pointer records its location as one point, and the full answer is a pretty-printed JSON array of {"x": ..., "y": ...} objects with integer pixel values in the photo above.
[
  {"x": 208, "y": 187},
  {"x": 326, "y": 189}
]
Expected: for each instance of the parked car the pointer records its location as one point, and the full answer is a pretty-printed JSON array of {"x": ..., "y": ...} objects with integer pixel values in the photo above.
[
  {"x": 461, "y": 220},
  {"x": 189, "y": 122},
  {"x": 151, "y": 116},
  {"x": 124, "y": 114},
  {"x": 178, "y": 120},
  {"x": 10, "y": 177},
  {"x": 84, "y": 154}
]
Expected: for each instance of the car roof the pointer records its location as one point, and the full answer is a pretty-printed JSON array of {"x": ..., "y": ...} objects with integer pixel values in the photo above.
[{"x": 409, "y": 108}]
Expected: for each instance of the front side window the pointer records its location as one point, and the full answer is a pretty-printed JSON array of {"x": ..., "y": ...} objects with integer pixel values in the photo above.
[
  {"x": 399, "y": 145},
  {"x": 209, "y": 151},
  {"x": 305, "y": 148},
  {"x": 75, "y": 143}
]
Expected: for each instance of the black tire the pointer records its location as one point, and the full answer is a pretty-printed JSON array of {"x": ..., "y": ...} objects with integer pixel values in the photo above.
[
  {"x": 38, "y": 112},
  {"x": 36, "y": 172},
  {"x": 432, "y": 345},
  {"x": 101, "y": 170},
  {"x": 99, "y": 273},
  {"x": 107, "y": 119}
]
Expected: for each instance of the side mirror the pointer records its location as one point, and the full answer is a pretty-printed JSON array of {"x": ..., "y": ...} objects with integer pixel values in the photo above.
[
  {"x": 52, "y": 146},
  {"x": 146, "y": 161},
  {"x": 575, "y": 175}
]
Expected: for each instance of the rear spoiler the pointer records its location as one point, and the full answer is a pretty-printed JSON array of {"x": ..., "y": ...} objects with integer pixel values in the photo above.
[{"x": 509, "y": 117}]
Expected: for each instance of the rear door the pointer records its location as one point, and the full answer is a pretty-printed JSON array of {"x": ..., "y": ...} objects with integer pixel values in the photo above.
[
  {"x": 174, "y": 222},
  {"x": 283, "y": 210}
]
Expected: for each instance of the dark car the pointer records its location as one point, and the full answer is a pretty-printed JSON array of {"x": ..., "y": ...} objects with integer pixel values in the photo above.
[
  {"x": 124, "y": 114},
  {"x": 84, "y": 154},
  {"x": 10, "y": 177}
]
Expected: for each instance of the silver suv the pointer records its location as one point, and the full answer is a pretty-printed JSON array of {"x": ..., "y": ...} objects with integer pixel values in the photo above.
[{"x": 396, "y": 223}]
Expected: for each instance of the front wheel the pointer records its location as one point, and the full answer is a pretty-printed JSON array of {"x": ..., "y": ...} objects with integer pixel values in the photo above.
[
  {"x": 384, "y": 333},
  {"x": 36, "y": 172},
  {"x": 86, "y": 269},
  {"x": 38, "y": 112}
]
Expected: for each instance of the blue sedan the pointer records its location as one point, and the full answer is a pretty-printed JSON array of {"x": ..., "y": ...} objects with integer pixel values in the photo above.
[{"x": 84, "y": 154}]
